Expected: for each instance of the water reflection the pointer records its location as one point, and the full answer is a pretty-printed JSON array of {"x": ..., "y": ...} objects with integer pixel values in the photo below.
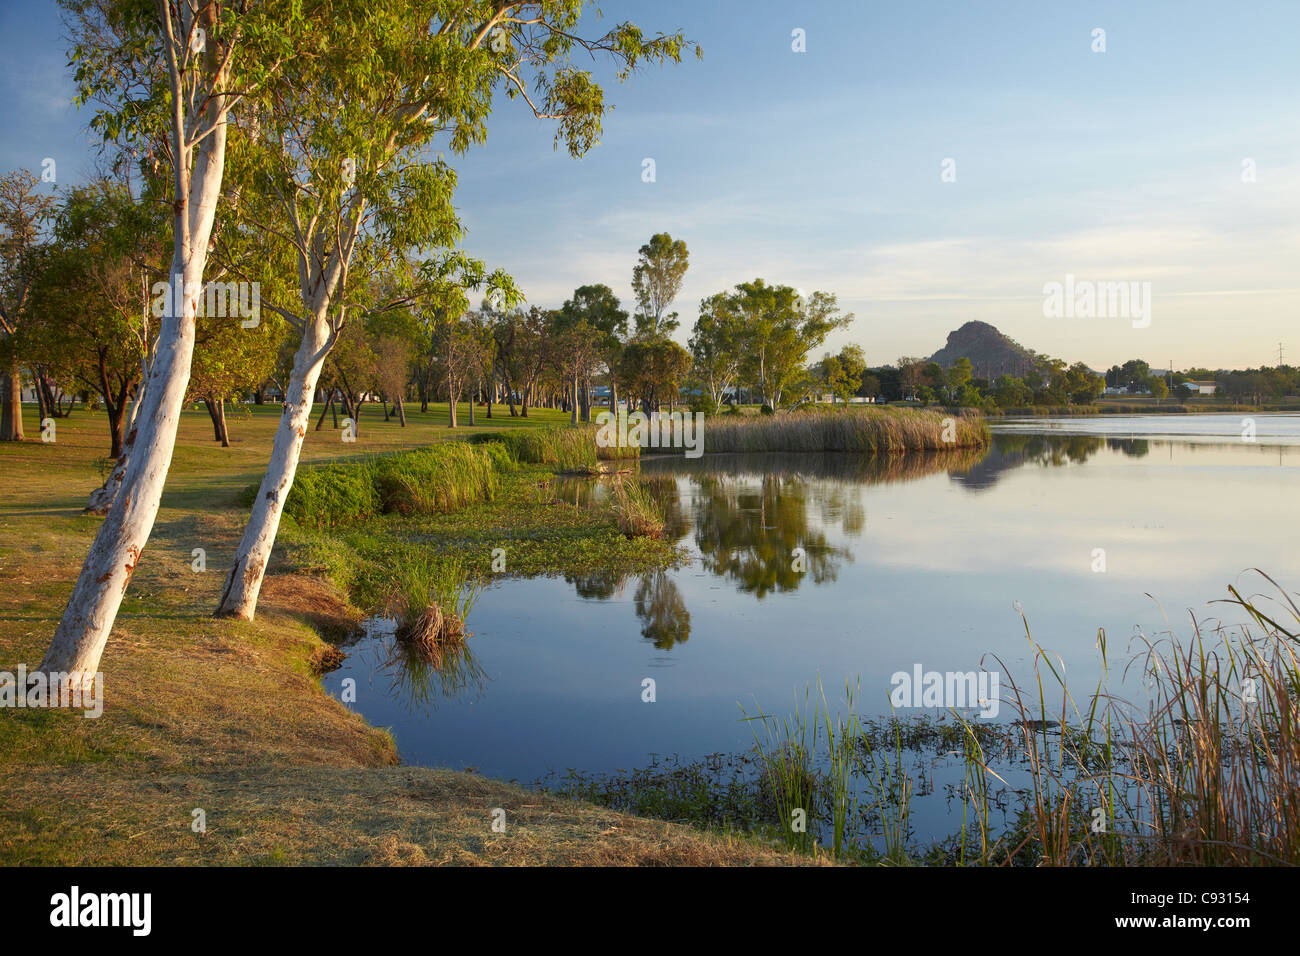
[
  {"x": 765, "y": 522},
  {"x": 925, "y": 565},
  {"x": 408, "y": 676},
  {"x": 664, "y": 618},
  {"x": 759, "y": 534}
]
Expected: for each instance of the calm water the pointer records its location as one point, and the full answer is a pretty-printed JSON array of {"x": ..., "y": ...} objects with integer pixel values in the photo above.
[{"x": 923, "y": 561}]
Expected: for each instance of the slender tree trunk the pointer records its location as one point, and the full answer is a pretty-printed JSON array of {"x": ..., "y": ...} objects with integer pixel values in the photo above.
[
  {"x": 54, "y": 404},
  {"x": 102, "y": 498},
  {"x": 329, "y": 403},
  {"x": 573, "y": 402},
  {"x": 510, "y": 392},
  {"x": 116, "y": 418},
  {"x": 222, "y": 431},
  {"x": 11, "y": 404},
  {"x": 244, "y": 581},
  {"x": 215, "y": 415},
  {"x": 83, "y": 631},
  {"x": 401, "y": 411},
  {"x": 451, "y": 408},
  {"x": 42, "y": 411}
]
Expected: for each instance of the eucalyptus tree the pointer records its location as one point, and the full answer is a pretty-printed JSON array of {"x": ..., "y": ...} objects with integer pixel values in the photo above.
[
  {"x": 718, "y": 347},
  {"x": 23, "y": 214},
  {"x": 781, "y": 328},
  {"x": 573, "y": 349},
  {"x": 652, "y": 372},
  {"x": 458, "y": 359},
  {"x": 656, "y": 280},
  {"x": 600, "y": 309},
  {"x": 337, "y": 150},
  {"x": 90, "y": 307},
  {"x": 169, "y": 72}
]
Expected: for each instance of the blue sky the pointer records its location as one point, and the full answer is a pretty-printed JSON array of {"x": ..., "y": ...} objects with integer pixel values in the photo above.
[{"x": 822, "y": 169}]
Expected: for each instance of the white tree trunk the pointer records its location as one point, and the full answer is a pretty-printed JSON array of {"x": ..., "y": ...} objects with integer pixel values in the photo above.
[
  {"x": 79, "y": 640},
  {"x": 244, "y": 582}
]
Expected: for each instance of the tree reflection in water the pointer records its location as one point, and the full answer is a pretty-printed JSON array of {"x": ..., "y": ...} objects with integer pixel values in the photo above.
[
  {"x": 760, "y": 521},
  {"x": 664, "y": 618}
]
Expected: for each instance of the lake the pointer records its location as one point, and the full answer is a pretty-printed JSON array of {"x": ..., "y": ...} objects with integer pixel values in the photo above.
[{"x": 1114, "y": 523}]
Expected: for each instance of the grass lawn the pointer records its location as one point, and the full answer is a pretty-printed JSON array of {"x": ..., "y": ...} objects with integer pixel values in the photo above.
[{"x": 229, "y": 717}]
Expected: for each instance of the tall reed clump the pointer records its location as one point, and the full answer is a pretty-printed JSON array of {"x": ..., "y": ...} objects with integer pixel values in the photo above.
[
  {"x": 324, "y": 496},
  {"x": 636, "y": 512},
  {"x": 431, "y": 601},
  {"x": 433, "y": 480},
  {"x": 568, "y": 449},
  {"x": 864, "y": 430},
  {"x": 1205, "y": 770},
  {"x": 810, "y": 800}
]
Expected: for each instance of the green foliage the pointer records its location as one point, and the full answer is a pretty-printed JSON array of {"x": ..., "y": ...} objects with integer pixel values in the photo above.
[
  {"x": 323, "y": 496},
  {"x": 433, "y": 480},
  {"x": 653, "y": 371},
  {"x": 767, "y": 332},
  {"x": 569, "y": 449},
  {"x": 656, "y": 280}
]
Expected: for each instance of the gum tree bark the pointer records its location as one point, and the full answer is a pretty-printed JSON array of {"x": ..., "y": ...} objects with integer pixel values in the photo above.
[
  {"x": 82, "y": 633},
  {"x": 244, "y": 580},
  {"x": 357, "y": 127}
]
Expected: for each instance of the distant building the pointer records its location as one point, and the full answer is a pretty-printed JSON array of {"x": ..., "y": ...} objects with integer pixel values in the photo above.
[{"x": 1201, "y": 388}]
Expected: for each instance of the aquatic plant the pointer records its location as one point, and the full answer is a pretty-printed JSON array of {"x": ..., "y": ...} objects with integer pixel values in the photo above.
[
  {"x": 635, "y": 510},
  {"x": 883, "y": 430},
  {"x": 431, "y": 601},
  {"x": 568, "y": 449},
  {"x": 433, "y": 480}
]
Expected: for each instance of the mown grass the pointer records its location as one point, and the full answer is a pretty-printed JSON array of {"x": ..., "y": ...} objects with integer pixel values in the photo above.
[{"x": 870, "y": 431}]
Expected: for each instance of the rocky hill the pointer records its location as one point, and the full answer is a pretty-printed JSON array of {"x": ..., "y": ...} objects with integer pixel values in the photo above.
[{"x": 990, "y": 352}]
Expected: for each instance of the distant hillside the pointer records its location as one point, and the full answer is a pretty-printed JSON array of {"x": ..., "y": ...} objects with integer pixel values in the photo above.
[{"x": 990, "y": 352}]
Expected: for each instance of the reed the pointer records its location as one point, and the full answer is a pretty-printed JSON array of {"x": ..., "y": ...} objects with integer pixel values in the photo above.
[
  {"x": 871, "y": 431},
  {"x": 1205, "y": 770},
  {"x": 635, "y": 510},
  {"x": 431, "y": 601},
  {"x": 433, "y": 480},
  {"x": 1202, "y": 770},
  {"x": 567, "y": 449},
  {"x": 793, "y": 750}
]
